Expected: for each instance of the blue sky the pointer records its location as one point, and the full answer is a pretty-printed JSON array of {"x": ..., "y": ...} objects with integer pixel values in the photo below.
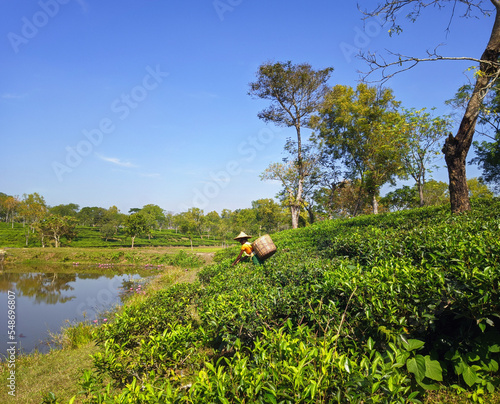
[{"x": 134, "y": 102}]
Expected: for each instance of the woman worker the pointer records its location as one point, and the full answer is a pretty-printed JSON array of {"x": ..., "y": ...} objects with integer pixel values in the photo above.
[{"x": 246, "y": 251}]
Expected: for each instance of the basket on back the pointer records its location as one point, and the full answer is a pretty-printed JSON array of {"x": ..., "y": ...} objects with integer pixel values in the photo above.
[{"x": 264, "y": 247}]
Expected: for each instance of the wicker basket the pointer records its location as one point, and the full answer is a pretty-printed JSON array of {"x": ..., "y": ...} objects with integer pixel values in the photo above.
[{"x": 264, "y": 247}]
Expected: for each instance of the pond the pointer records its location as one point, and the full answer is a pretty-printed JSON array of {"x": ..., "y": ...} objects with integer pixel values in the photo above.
[{"x": 42, "y": 300}]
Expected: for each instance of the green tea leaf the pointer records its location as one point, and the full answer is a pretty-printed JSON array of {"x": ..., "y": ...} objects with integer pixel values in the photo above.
[
  {"x": 416, "y": 366},
  {"x": 433, "y": 369},
  {"x": 413, "y": 344},
  {"x": 470, "y": 376}
]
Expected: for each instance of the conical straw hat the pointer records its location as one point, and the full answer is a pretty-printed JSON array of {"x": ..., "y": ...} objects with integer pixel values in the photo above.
[{"x": 242, "y": 235}]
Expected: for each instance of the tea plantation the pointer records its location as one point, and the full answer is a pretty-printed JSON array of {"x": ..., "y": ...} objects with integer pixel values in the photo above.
[
  {"x": 394, "y": 308},
  {"x": 92, "y": 237}
]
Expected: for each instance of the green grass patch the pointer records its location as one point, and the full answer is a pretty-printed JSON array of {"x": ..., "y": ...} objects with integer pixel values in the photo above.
[{"x": 37, "y": 374}]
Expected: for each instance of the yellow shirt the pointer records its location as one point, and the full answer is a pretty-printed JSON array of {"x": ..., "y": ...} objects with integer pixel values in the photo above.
[{"x": 247, "y": 249}]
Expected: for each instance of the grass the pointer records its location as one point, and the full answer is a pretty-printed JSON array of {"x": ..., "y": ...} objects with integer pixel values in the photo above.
[{"x": 57, "y": 371}]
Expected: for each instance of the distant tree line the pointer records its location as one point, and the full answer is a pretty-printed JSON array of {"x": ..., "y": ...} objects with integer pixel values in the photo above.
[{"x": 51, "y": 224}]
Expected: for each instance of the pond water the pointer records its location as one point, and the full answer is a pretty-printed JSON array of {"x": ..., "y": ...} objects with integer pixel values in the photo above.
[{"x": 47, "y": 299}]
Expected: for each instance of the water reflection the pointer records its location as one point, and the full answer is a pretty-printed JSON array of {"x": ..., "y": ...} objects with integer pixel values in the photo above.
[
  {"x": 45, "y": 301},
  {"x": 43, "y": 287}
]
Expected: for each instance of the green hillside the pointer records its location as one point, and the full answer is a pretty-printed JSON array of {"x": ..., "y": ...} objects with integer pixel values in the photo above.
[{"x": 393, "y": 308}]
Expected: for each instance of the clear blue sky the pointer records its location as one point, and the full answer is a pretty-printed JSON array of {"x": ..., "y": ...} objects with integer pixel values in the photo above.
[{"x": 135, "y": 102}]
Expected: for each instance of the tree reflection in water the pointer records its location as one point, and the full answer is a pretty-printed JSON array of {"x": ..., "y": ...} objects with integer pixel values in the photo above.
[{"x": 45, "y": 288}]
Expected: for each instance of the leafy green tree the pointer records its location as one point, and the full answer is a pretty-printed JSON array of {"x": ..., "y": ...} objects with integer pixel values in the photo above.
[
  {"x": 456, "y": 147},
  {"x": 32, "y": 209},
  {"x": 108, "y": 230},
  {"x": 268, "y": 214},
  {"x": 109, "y": 222},
  {"x": 91, "y": 216},
  {"x": 402, "y": 198},
  {"x": 55, "y": 227},
  {"x": 169, "y": 220},
  {"x": 11, "y": 205},
  {"x": 436, "y": 193},
  {"x": 3, "y": 210},
  {"x": 71, "y": 209},
  {"x": 488, "y": 158},
  {"x": 423, "y": 134},
  {"x": 359, "y": 127},
  {"x": 287, "y": 174},
  {"x": 154, "y": 215},
  {"x": 295, "y": 93},
  {"x": 135, "y": 225},
  {"x": 191, "y": 222},
  {"x": 245, "y": 220},
  {"x": 345, "y": 199},
  {"x": 478, "y": 189},
  {"x": 226, "y": 228},
  {"x": 212, "y": 223}
]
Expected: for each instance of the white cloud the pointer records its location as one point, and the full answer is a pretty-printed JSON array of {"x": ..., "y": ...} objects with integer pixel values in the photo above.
[{"x": 116, "y": 161}]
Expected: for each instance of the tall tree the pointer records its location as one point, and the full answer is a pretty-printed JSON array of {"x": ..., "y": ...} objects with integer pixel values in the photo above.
[
  {"x": 135, "y": 225},
  {"x": 295, "y": 93},
  {"x": 11, "y": 205},
  {"x": 436, "y": 193},
  {"x": 91, "y": 216},
  {"x": 55, "y": 227},
  {"x": 289, "y": 177},
  {"x": 191, "y": 222},
  {"x": 269, "y": 215},
  {"x": 478, "y": 189},
  {"x": 401, "y": 198},
  {"x": 455, "y": 147},
  {"x": 487, "y": 151},
  {"x": 155, "y": 217},
  {"x": 423, "y": 134},
  {"x": 71, "y": 209},
  {"x": 212, "y": 223},
  {"x": 33, "y": 209},
  {"x": 359, "y": 126}
]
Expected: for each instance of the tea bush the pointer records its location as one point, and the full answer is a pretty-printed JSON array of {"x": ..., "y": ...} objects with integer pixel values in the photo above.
[{"x": 373, "y": 309}]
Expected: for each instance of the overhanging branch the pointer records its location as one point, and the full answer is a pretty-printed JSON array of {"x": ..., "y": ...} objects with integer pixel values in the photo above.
[{"x": 405, "y": 63}]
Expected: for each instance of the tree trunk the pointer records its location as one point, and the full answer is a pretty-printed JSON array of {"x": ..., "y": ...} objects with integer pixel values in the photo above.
[
  {"x": 310, "y": 211},
  {"x": 374, "y": 203},
  {"x": 295, "y": 209},
  {"x": 133, "y": 238},
  {"x": 455, "y": 160},
  {"x": 420, "y": 188},
  {"x": 295, "y": 215},
  {"x": 456, "y": 148}
]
